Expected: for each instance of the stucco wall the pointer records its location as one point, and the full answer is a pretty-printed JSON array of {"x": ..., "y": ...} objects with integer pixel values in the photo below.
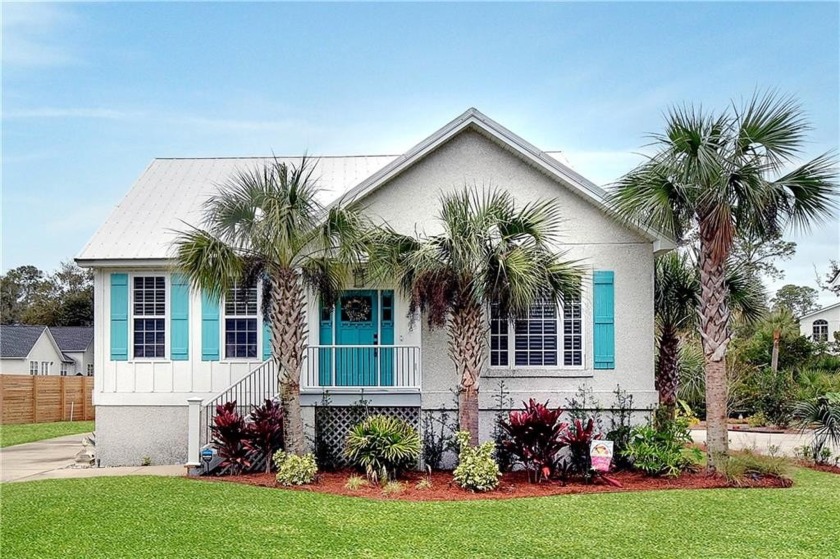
[
  {"x": 830, "y": 315},
  {"x": 126, "y": 435}
]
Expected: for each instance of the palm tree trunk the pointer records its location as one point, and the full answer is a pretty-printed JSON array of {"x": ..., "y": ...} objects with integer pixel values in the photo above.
[
  {"x": 667, "y": 379},
  {"x": 467, "y": 350},
  {"x": 288, "y": 343},
  {"x": 774, "y": 358},
  {"x": 714, "y": 332}
]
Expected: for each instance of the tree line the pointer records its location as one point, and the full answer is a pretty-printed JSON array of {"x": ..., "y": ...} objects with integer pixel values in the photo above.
[{"x": 28, "y": 295}]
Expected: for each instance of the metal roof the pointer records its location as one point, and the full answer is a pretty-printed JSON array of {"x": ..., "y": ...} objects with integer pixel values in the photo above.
[
  {"x": 17, "y": 341},
  {"x": 168, "y": 196},
  {"x": 72, "y": 338}
]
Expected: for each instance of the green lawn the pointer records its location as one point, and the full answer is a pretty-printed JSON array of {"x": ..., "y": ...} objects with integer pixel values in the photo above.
[
  {"x": 175, "y": 517},
  {"x": 29, "y": 432}
]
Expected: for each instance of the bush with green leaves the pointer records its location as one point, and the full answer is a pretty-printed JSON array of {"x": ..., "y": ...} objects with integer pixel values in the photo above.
[
  {"x": 823, "y": 415},
  {"x": 295, "y": 470},
  {"x": 477, "y": 469},
  {"x": 663, "y": 450},
  {"x": 742, "y": 467},
  {"x": 383, "y": 447}
]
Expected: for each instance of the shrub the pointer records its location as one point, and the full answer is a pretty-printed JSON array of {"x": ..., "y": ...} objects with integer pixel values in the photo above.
[
  {"x": 354, "y": 483},
  {"x": 393, "y": 488},
  {"x": 295, "y": 470},
  {"x": 748, "y": 465},
  {"x": 757, "y": 419},
  {"x": 265, "y": 431},
  {"x": 535, "y": 437},
  {"x": 326, "y": 453},
  {"x": 384, "y": 446},
  {"x": 619, "y": 431},
  {"x": 423, "y": 484},
  {"x": 437, "y": 437},
  {"x": 229, "y": 436},
  {"x": 504, "y": 457},
  {"x": 578, "y": 438},
  {"x": 477, "y": 470},
  {"x": 823, "y": 414},
  {"x": 662, "y": 451}
]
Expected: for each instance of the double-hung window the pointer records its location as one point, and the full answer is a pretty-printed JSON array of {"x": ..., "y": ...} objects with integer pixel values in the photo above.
[
  {"x": 63, "y": 369},
  {"x": 45, "y": 368},
  {"x": 149, "y": 308},
  {"x": 33, "y": 367},
  {"x": 90, "y": 369},
  {"x": 547, "y": 336},
  {"x": 820, "y": 330},
  {"x": 241, "y": 312}
]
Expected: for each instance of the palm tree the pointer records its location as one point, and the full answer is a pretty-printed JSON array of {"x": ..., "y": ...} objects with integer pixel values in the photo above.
[
  {"x": 725, "y": 175},
  {"x": 489, "y": 254},
  {"x": 267, "y": 223},
  {"x": 676, "y": 299}
]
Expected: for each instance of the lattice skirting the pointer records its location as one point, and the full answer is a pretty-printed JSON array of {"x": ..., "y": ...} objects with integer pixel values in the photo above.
[{"x": 333, "y": 423}]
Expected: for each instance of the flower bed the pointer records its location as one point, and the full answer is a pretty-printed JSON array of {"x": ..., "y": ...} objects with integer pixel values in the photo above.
[{"x": 512, "y": 485}]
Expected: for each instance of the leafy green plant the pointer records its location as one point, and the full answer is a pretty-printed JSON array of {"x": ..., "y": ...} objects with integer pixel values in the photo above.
[
  {"x": 748, "y": 465},
  {"x": 535, "y": 437},
  {"x": 662, "y": 451},
  {"x": 354, "y": 483},
  {"x": 757, "y": 419},
  {"x": 823, "y": 414},
  {"x": 503, "y": 403},
  {"x": 437, "y": 436},
  {"x": 477, "y": 470},
  {"x": 293, "y": 469},
  {"x": 383, "y": 446},
  {"x": 619, "y": 429}
]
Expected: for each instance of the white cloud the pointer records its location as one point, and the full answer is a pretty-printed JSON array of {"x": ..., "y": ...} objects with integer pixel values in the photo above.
[{"x": 32, "y": 35}]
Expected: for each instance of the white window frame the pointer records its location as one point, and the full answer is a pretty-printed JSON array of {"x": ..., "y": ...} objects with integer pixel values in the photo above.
[
  {"x": 561, "y": 352},
  {"x": 223, "y": 330},
  {"x": 89, "y": 369},
  {"x": 33, "y": 368},
  {"x": 45, "y": 368},
  {"x": 818, "y": 336},
  {"x": 165, "y": 317},
  {"x": 64, "y": 367}
]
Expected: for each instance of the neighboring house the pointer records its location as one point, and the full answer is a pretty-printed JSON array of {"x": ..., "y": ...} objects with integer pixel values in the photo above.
[
  {"x": 32, "y": 350},
  {"x": 163, "y": 342},
  {"x": 821, "y": 325},
  {"x": 76, "y": 342}
]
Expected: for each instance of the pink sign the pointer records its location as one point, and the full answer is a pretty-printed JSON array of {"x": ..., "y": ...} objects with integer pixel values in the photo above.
[{"x": 601, "y": 453}]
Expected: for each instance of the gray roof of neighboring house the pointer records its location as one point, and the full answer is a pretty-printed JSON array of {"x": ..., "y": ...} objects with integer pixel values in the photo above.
[
  {"x": 17, "y": 341},
  {"x": 72, "y": 338}
]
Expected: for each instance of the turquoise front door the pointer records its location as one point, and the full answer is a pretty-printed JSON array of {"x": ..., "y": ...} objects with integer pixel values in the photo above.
[{"x": 360, "y": 320}]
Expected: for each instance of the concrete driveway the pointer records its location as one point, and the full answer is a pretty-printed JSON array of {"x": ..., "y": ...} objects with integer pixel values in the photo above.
[{"x": 54, "y": 458}]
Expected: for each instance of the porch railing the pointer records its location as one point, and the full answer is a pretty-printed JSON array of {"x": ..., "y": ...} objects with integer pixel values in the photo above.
[
  {"x": 253, "y": 389},
  {"x": 338, "y": 367}
]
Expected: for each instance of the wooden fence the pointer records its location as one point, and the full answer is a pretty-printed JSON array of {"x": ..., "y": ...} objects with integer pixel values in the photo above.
[{"x": 44, "y": 399}]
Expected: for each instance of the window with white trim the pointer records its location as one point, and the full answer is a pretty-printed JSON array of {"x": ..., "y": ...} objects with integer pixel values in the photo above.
[
  {"x": 90, "y": 369},
  {"x": 546, "y": 337},
  {"x": 45, "y": 368},
  {"x": 820, "y": 330},
  {"x": 33, "y": 367},
  {"x": 149, "y": 308},
  {"x": 240, "y": 322},
  {"x": 63, "y": 369}
]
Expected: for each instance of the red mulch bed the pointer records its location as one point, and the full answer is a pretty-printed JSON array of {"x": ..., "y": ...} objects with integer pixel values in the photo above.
[
  {"x": 513, "y": 485},
  {"x": 819, "y": 467}
]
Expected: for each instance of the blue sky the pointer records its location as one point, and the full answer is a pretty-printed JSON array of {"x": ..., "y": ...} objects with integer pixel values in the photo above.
[{"x": 93, "y": 92}]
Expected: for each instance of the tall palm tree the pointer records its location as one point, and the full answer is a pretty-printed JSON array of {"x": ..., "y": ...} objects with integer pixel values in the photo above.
[
  {"x": 267, "y": 223},
  {"x": 489, "y": 254},
  {"x": 725, "y": 174},
  {"x": 676, "y": 299}
]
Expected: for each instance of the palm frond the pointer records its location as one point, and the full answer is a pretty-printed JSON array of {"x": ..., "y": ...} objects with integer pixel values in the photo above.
[{"x": 211, "y": 264}]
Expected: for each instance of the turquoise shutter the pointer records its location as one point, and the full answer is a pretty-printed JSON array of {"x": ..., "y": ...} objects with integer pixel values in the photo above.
[
  {"x": 179, "y": 318},
  {"x": 604, "y": 316},
  {"x": 119, "y": 317},
  {"x": 266, "y": 341},
  {"x": 209, "y": 328}
]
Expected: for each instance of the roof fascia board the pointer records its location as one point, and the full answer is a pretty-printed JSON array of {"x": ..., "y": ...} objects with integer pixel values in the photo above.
[
  {"x": 124, "y": 262},
  {"x": 818, "y": 311}
]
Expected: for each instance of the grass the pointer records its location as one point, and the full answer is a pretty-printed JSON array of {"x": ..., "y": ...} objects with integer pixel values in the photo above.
[
  {"x": 30, "y": 432},
  {"x": 176, "y": 517}
]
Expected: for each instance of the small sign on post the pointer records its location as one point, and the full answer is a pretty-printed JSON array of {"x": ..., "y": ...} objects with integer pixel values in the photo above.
[{"x": 601, "y": 453}]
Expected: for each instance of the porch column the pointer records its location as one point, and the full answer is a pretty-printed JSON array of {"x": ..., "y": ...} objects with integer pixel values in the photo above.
[{"x": 194, "y": 432}]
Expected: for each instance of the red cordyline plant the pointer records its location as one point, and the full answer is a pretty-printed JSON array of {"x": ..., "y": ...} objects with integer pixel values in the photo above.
[
  {"x": 578, "y": 437},
  {"x": 535, "y": 438},
  {"x": 229, "y": 435},
  {"x": 265, "y": 431}
]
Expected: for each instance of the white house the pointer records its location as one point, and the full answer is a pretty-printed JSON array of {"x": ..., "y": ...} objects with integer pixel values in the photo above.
[
  {"x": 76, "y": 342},
  {"x": 164, "y": 343},
  {"x": 821, "y": 325},
  {"x": 32, "y": 350}
]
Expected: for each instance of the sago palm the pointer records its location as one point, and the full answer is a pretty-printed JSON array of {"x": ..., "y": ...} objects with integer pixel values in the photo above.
[
  {"x": 676, "y": 299},
  {"x": 727, "y": 174},
  {"x": 268, "y": 223},
  {"x": 490, "y": 253}
]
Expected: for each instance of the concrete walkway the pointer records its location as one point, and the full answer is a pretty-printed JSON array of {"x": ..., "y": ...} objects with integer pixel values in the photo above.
[
  {"x": 54, "y": 459},
  {"x": 782, "y": 443}
]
